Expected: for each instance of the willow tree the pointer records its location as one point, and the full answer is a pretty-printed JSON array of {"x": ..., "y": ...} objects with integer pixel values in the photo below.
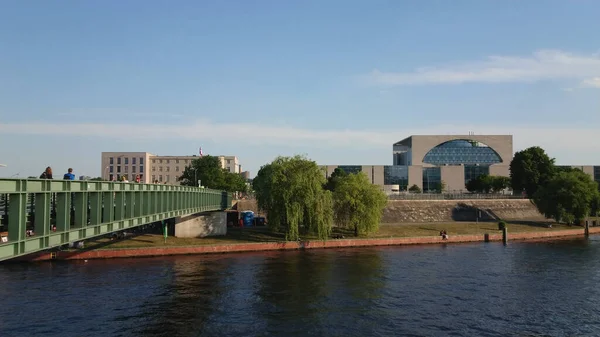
[
  {"x": 358, "y": 204},
  {"x": 290, "y": 190}
]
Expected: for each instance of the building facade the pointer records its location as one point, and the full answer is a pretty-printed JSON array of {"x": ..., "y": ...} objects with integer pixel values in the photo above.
[
  {"x": 449, "y": 160},
  {"x": 430, "y": 161},
  {"x": 151, "y": 168}
]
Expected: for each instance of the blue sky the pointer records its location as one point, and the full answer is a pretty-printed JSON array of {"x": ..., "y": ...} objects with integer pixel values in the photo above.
[{"x": 339, "y": 81}]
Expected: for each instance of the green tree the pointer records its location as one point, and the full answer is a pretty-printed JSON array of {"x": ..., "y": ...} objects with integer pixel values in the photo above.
[
  {"x": 358, "y": 204},
  {"x": 499, "y": 183},
  {"x": 414, "y": 189},
  {"x": 570, "y": 197},
  {"x": 208, "y": 170},
  {"x": 530, "y": 169},
  {"x": 290, "y": 190},
  {"x": 332, "y": 181}
]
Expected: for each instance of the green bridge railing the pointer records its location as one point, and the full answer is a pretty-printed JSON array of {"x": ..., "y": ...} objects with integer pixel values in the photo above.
[{"x": 41, "y": 214}]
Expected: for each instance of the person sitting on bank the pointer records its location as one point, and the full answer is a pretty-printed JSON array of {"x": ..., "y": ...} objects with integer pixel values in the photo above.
[
  {"x": 444, "y": 235},
  {"x": 47, "y": 174},
  {"x": 69, "y": 175}
]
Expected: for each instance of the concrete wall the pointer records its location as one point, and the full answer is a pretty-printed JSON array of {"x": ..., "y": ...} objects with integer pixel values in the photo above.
[
  {"x": 500, "y": 170},
  {"x": 454, "y": 177},
  {"x": 201, "y": 225},
  {"x": 415, "y": 176}
]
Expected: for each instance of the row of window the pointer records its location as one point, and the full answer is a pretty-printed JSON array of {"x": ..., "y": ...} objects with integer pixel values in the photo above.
[
  {"x": 126, "y": 169},
  {"x": 125, "y": 160},
  {"x": 168, "y": 161},
  {"x": 167, "y": 168}
]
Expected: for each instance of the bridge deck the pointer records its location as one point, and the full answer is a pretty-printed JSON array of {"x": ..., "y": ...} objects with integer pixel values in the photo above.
[{"x": 62, "y": 211}]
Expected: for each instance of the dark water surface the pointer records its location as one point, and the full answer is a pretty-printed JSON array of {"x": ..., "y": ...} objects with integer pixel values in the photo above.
[{"x": 524, "y": 289}]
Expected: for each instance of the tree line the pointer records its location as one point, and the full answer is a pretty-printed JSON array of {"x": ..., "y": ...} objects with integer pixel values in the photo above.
[{"x": 299, "y": 200}]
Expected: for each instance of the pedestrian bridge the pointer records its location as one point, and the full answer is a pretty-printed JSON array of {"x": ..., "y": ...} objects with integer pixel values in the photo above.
[{"x": 41, "y": 214}]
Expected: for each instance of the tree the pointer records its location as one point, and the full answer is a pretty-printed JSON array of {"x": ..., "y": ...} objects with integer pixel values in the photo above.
[
  {"x": 358, "y": 204},
  {"x": 290, "y": 190},
  {"x": 486, "y": 184},
  {"x": 414, "y": 189},
  {"x": 570, "y": 196},
  {"x": 530, "y": 169},
  {"x": 499, "y": 183},
  {"x": 332, "y": 181},
  {"x": 208, "y": 170}
]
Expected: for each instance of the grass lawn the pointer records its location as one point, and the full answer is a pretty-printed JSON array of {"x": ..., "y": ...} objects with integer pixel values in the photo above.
[{"x": 261, "y": 234}]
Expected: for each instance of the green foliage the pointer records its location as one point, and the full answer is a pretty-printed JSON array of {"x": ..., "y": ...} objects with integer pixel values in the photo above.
[
  {"x": 570, "y": 196},
  {"x": 97, "y": 179},
  {"x": 486, "y": 184},
  {"x": 358, "y": 204},
  {"x": 208, "y": 170},
  {"x": 290, "y": 190},
  {"x": 530, "y": 169},
  {"x": 414, "y": 189},
  {"x": 332, "y": 181}
]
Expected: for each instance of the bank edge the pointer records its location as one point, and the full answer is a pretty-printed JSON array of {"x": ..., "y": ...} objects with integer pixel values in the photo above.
[{"x": 271, "y": 246}]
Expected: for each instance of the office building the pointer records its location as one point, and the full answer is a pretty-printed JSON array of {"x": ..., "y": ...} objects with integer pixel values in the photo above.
[
  {"x": 150, "y": 167},
  {"x": 429, "y": 161}
]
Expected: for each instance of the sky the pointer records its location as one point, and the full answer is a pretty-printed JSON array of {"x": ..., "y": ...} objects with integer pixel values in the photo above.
[{"x": 338, "y": 81}]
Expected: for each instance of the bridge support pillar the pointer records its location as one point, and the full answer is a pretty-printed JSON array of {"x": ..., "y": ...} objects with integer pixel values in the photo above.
[{"x": 201, "y": 225}]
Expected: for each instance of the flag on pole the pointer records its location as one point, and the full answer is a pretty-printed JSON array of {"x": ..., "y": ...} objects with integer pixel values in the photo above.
[{"x": 200, "y": 151}]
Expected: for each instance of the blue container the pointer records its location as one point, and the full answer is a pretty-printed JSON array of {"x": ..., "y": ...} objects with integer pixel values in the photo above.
[{"x": 248, "y": 218}]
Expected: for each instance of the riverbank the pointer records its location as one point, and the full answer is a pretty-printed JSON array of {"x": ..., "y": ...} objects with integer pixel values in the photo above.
[{"x": 153, "y": 245}]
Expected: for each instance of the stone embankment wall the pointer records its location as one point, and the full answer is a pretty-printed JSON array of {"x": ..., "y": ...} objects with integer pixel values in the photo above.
[{"x": 416, "y": 211}]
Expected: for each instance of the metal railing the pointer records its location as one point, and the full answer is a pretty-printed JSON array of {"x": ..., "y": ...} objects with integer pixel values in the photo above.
[
  {"x": 452, "y": 196},
  {"x": 59, "y": 212}
]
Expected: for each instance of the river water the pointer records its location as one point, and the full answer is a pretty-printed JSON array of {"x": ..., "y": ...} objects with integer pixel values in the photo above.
[{"x": 523, "y": 289}]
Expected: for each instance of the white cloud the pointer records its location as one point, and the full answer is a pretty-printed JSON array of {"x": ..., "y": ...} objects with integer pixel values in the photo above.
[
  {"x": 568, "y": 144},
  {"x": 592, "y": 82},
  {"x": 541, "y": 65}
]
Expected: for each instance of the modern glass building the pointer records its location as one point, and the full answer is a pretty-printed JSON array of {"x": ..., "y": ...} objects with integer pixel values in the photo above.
[{"x": 449, "y": 160}]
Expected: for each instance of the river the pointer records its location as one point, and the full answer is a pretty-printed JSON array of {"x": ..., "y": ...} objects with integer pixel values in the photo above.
[{"x": 523, "y": 289}]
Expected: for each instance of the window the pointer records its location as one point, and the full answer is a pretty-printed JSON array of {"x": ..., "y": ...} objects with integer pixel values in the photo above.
[
  {"x": 153, "y": 178},
  {"x": 176, "y": 161},
  {"x": 160, "y": 169},
  {"x": 168, "y": 168},
  {"x": 168, "y": 161},
  {"x": 141, "y": 178},
  {"x": 186, "y": 161},
  {"x": 153, "y": 168},
  {"x": 167, "y": 177},
  {"x": 350, "y": 168},
  {"x": 457, "y": 152},
  {"x": 111, "y": 177},
  {"x": 133, "y": 161},
  {"x": 160, "y": 178},
  {"x": 141, "y": 168},
  {"x": 126, "y": 161},
  {"x": 432, "y": 179},
  {"x": 119, "y": 161},
  {"x": 111, "y": 160},
  {"x": 118, "y": 169},
  {"x": 396, "y": 175},
  {"x": 474, "y": 171},
  {"x": 111, "y": 169},
  {"x": 141, "y": 160},
  {"x": 153, "y": 161},
  {"x": 228, "y": 161},
  {"x": 133, "y": 169},
  {"x": 126, "y": 169},
  {"x": 118, "y": 177},
  {"x": 160, "y": 161},
  {"x": 176, "y": 168}
]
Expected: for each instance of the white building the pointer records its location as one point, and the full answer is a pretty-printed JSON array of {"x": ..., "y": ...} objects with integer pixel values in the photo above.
[{"x": 150, "y": 167}]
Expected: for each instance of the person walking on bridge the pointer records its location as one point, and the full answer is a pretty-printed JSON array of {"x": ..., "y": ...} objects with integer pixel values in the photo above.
[
  {"x": 69, "y": 175},
  {"x": 47, "y": 174}
]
